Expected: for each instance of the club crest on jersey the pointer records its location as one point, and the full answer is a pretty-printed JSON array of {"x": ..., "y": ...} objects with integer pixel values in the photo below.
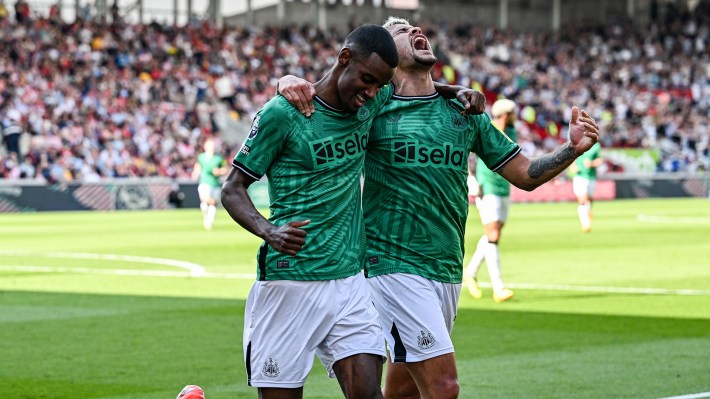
[
  {"x": 363, "y": 113},
  {"x": 458, "y": 121},
  {"x": 271, "y": 368},
  {"x": 254, "y": 128},
  {"x": 425, "y": 340}
]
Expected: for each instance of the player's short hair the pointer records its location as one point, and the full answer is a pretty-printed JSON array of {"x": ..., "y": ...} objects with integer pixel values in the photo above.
[
  {"x": 391, "y": 21},
  {"x": 370, "y": 38},
  {"x": 503, "y": 106}
]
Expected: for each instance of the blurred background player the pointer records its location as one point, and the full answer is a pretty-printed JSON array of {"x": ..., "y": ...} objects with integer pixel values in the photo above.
[
  {"x": 493, "y": 206},
  {"x": 208, "y": 168},
  {"x": 584, "y": 182}
]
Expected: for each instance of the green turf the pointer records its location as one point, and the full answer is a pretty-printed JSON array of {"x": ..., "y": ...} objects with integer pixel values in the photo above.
[{"x": 70, "y": 327}]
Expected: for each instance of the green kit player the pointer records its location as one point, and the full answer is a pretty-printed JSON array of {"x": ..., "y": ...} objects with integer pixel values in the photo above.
[
  {"x": 208, "y": 168},
  {"x": 493, "y": 203},
  {"x": 584, "y": 182},
  {"x": 311, "y": 296}
]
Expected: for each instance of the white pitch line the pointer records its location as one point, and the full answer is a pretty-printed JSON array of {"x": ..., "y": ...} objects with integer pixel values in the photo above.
[
  {"x": 614, "y": 290},
  {"x": 690, "y": 396},
  {"x": 125, "y": 272},
  {"x": 672, "y": 219},
  {"x": 252, "y": 276},
  {"x": 194, "y": 269}
]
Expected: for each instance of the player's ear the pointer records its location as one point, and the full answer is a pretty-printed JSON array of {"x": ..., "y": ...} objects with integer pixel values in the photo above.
[{"x": 345, "y": 56}]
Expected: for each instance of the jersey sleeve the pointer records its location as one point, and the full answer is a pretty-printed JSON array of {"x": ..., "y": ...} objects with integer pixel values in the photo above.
[
  {"x": 491, "y": 145},
  {"x": 268, "y": 135}
]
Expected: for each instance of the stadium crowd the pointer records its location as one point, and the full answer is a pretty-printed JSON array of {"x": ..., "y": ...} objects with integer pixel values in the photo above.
[{"x": 91, "y": 99}]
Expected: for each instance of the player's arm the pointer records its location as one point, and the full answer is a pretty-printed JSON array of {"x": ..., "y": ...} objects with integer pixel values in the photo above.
[
  {"x": 221, "y": 170},
  {"x": 299, "y": 92},
  {"x": 528, "y": 174},
  {"x": 196, "y": 170},
  {"x": 595, "y": 163},
  {"x": 473, "y": 101},
  {"x": 287, "y": 239}
]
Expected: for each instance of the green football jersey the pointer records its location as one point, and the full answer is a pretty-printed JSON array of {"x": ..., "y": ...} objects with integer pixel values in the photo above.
[
  {"x": 492, "y": 182},
  {"x": 207, "y": 164},
  {"x": 592, "y": 154},
  {"x": 313, "y": 167},
  {"x": 415, "y": 197}
]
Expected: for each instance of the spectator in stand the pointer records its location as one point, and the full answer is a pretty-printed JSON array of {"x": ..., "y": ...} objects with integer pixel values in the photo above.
[{"x": 648, "y": 86}]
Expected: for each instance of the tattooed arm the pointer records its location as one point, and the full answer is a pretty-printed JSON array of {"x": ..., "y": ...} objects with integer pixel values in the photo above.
[{"x": 529, "y": 174}]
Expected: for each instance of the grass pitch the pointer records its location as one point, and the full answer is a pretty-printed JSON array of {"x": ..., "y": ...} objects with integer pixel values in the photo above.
[{"x": 136, "y": 305}]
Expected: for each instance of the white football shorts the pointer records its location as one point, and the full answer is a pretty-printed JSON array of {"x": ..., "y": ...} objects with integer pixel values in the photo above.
[
  {"x": 417, "y": 315},
  {"x": 287, "y": 322},
  {"x": 493, "y": 208},
  {"x": 583, "y": 187},
  {"x": 205, "y": 191},
  {"x": 472, "y": 184}
]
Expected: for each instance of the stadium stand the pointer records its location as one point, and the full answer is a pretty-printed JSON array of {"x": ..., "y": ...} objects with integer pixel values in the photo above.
[{"x": 88, "y": 100}]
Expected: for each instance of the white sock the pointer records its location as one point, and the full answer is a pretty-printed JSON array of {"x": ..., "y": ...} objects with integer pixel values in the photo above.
[
  {"x": 210, "y": 215},
  {"x": 583, "y": 212},
  {"x": 472, "y": 268},
  {"x": 493, "y": 264},
  {"x": 203, "y": 208}
]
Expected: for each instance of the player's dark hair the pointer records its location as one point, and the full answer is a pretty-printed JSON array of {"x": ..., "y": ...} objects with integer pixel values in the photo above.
[{"x": 370, "y": 38}]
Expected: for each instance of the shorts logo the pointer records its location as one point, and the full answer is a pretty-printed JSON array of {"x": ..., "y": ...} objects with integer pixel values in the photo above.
[
  {"x": 254, "y": 128},
  {"x": 282, "y": 264},
  {"x": 425, "y": 340},
  {"x": 329, "y": 151},
  {"x": 271, "y": 368},
  {"x": 412, "y": 153},
  {"x": 373, "y": 260},
  {"x": 245, "y": 149},
  {"x": 363, "y": 113}
]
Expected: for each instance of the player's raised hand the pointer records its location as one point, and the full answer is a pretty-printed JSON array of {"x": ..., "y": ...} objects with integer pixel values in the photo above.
[
  {"x": 298, "y": 92},
  {"x": 288, "y": 238},
  {"x": 583, "y": 131},
  {"x": 473, "y": 101}
]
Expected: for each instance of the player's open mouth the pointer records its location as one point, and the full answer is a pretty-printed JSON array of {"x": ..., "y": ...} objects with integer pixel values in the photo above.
[
  {"x": 360, "y": 100},
  {"x": 419, "y": 42}
]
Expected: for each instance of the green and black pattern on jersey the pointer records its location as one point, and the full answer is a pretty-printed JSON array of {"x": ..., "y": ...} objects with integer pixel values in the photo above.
[
  {"x": 492, "y": 182},
  {"x": 313, "y": 167},
  {"x": 415, "y": 197},
  {"x": 591, "y": 154},
  {"x": 207, "y": 164}
]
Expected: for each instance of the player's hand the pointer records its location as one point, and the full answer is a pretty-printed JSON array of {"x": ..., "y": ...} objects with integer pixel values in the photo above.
[
  {"x": 288, "y": 238},
  {"x": 583, "y": 131},
  {"x": 299, "y": 93},
  {"x": 473, "y": 101}
]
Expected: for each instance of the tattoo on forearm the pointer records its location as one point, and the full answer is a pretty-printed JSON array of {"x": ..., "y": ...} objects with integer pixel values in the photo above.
[{"x": 539, "y": 166}]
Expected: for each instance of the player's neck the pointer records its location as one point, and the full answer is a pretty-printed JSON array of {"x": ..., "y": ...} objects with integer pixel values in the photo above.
[
  {"x": 414, "y": 83},
  {"x": 327, "y": 89}
]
